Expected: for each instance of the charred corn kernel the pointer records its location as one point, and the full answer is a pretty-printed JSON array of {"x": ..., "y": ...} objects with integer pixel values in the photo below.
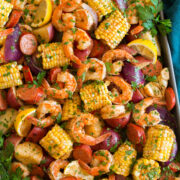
[
  {"x": 95, "y": 96},
  {"x": 113, "y": 29},
  {"x": 28, "y": 153},
  {"x": 159, "y": 143},
  {"x": 53, "y": 55},
  {"x": 5, "y": 10},
  {"x": 71, "y": 107},
  {"x": 57, "y": 143},
  {"x": 102, "y": 7},
  {"x": 145, "y": 169},
  {"x": 124, "y": 158},
  {"x": 10, "y": 75}
]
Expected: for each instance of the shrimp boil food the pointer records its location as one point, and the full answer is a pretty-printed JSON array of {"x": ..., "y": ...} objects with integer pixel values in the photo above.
[{"x": 84, "y": 94}]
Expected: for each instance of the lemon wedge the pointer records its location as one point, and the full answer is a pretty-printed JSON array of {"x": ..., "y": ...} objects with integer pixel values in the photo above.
[
  {"x": 146, "y": 48},
  {"x": 43, "y": 13},
  {"x": 21, "y": 124}
]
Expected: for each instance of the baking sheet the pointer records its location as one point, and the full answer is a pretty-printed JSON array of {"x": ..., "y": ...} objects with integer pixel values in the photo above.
[{"x": 167, "y": 59}]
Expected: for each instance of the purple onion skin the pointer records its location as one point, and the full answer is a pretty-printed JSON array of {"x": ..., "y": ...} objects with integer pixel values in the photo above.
[
  {"x": 121, "y": 4},
  {"x": 173, "y": 154},
  {"x": 12, "y": 50},
  {"x": 109, "y": 142},
  {"x": 132, "y": 73},
  {"x": 32, "y": 63},
  {"x": 167, "y": 118}
]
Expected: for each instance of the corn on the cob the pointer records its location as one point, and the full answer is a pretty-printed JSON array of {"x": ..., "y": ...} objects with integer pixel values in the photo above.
[
  {"x": 102, "y": 7},
  {"x": 2, "y": 60},
  {"x": 2, "y": 38},
  {"x": 53, "y": 55},
  {"x": 112, "y": 30},
  {"x": 145, "y": 169},
  {"x": 9, "y": 75},
  {"x": 57, "y": 143},
  {"x": 124, "y": 158},
  {"x": 71, "y": 107},
  {"x": 95, "y": 96},
  {"x": 159, "y": 143},
  {"x": 5, "y": 10},
  {"x": 28, "y": 153}
]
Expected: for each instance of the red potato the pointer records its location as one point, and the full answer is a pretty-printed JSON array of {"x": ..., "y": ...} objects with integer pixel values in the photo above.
[
  {"x": 120, "y": 121},
  {"x": 170, "y": 98},
  {"x": 14, "y": 139},
  {"x": 141, "y": 62},
  {"x": 14, "y": 18},
  {"x": 136, "y": 134},
  {"x": 30, "y": 95},
  {"x": 36, "y": 134},
  {"x": 46, "y": 161},
  {"x": 44, "y": 34},
  {"x": 175, "y": 166},
  {"x": 12, "y": 99},
  {"x": 27, "y": 74},
  {"x": 137, "y": 96},
  {"x": 28, "y": 43},
  {"x": 131, "y": 51},
  {"x": 83, "y": 152},
  {"x": 3, "y": 102},
  {"x": 37, "y": 171}
]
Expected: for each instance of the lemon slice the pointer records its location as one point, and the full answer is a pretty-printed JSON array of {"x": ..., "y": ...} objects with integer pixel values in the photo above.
[
  {"x": 146, "y": 48},
  {"x": 21, "y": 124},
  {"x": 43, "y": 14},
  {"x": 74, "y": 169}
]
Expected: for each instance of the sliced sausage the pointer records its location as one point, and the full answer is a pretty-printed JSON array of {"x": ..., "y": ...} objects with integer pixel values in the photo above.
[
  {"x": 3, "y": 102},
  {"x": 170, "y": 98},
  {"x": 46, "y": 161},
  {"x": 14, "y": 139},
  {"x": 83, "y": 152},
  {"x": 37, "y": 171},
  {"x": 28, "y": 43},
  {"x": 131, "y": 51}
]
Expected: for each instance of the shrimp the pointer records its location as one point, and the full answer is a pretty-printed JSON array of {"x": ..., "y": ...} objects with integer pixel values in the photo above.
[
  {"x": 78, "y": 35},
  {"x": 70, "y": 85},
  {"x": 101, "y": 162},
  {"x": 115, "y": 57},
  {"x": 94, "y": 69},
  {"x": 112, "y": 111},
  {"x": 77, "y": 129},
  {"x": 145, "y": 119},
  {"x": 84, "y": 19},
  {"x": 71, "y": 5},
  {"x": 126, "y": 91},
  {"x": 62, "y": 21},
  {"x": 54, "y": 169},
  {"x": 44, "y": 108}
]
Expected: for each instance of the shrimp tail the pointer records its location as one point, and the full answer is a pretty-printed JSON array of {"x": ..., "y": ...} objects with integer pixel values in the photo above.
[
  {"x": 84, "y": 166},
  {"x": 102, "y": 138},
  {"x": 45, "y": 84}
]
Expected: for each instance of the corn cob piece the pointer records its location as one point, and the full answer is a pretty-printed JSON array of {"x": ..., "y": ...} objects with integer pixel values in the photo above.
[
  {"x": 2, "y": 59},
  {"x": 159, "y": 143},
  {"x": 28, "y": 153},
  {"x": 53, "y": 55},
  {"x": 9, "y": 75},
  {"x": 102, "y": 7},
  {"x": 95, "y": 96},
  {"x": 2, "y": 38},
  {"x": 71, "y": 107},
  {"x": 124, "y": 158},
  {"x": 113, "y": 29},
  {"x": 146, "y": 169},
  {"x": 57, "y": 143},
  {"x": 5, "y": 10}
]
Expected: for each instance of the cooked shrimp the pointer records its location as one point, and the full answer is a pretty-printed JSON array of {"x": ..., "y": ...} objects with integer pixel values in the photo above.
[
  {"x": 94, "y": 69},
  {"x": 112, "y": 56},
  {"x": 112, "y": 111},
  {"x": 101, "y": 162},
  {"x": 70, "y": 85},
  {"x": 77, "y": 129},
  {"x": 81, "y": 37},
  {"x": 122, "y": 91},
  {"x": 44, "y": 108},
  {"x": 54, "y": 169},
  {"x": 84, "y": 19},
  {"x": 145, "y": 119},
  {"x": 62, "y": 21},
  {"x": 71, "y": 5}
]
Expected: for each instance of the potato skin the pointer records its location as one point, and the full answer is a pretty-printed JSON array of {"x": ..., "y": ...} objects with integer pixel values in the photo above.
[{"x": 28, "y": 153}]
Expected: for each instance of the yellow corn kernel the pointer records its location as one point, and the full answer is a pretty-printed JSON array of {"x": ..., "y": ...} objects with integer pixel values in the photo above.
[{"x": 57, "y": 143}]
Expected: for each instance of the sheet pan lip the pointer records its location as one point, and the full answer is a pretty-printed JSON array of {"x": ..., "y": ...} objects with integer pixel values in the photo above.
[{"x": 166, "y": 48}]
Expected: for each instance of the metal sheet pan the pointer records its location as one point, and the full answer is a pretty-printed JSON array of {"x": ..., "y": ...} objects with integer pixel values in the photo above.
[{"x": 167, "y": 59}]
